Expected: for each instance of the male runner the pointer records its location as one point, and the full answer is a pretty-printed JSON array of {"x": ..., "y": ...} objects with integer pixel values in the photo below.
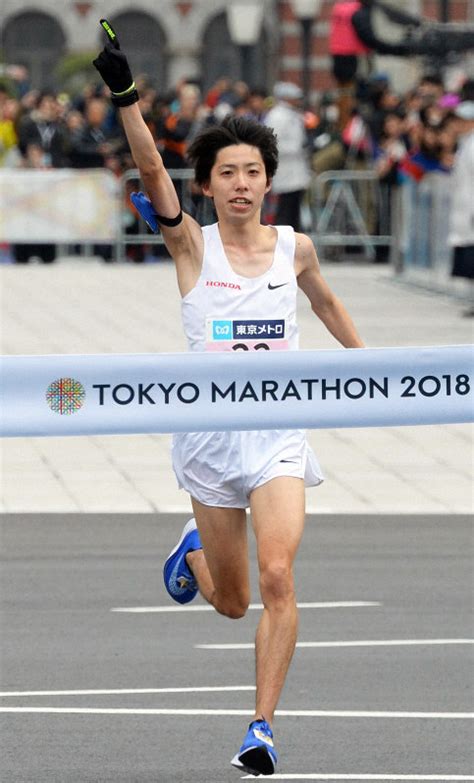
[{"x": 236, "y": 270}]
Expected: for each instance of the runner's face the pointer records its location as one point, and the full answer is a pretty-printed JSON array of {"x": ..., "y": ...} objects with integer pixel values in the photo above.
[{"x": 238, "y": 182}]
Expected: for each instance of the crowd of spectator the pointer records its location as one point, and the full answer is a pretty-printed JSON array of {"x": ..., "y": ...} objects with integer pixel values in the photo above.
[{"x": 399, "y": 136}]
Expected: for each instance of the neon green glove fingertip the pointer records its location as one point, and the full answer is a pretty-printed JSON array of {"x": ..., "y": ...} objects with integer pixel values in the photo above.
[{"x": 108, "y": 29}]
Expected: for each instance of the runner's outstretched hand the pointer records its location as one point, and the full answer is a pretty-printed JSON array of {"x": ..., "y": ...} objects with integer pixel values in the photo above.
[{"x": 113, "y": 67}]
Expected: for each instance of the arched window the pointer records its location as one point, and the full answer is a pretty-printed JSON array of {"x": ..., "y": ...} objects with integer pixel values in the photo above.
[
  {"x": 36, "y": 40},
  {"x": 221, "y": 57},
  {"x": 144, "y": 42}
]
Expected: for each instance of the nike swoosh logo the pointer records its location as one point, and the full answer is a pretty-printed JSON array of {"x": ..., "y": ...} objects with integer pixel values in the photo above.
[
  {"x": 293, "y": 461},
  {"x": 272, "y": 287}
]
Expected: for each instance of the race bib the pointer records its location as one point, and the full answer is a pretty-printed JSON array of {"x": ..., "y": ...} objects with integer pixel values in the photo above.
[{"x": 256, "y": 334}]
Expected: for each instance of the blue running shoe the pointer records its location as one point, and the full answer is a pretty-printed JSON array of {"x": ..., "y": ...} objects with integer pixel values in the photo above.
[
  {"x": 257, "y": 756},
  {"x": 179, "y": 581}
]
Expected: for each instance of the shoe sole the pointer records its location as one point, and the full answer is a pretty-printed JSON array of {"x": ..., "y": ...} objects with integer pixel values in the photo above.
[{"x": 255, "y": 761}]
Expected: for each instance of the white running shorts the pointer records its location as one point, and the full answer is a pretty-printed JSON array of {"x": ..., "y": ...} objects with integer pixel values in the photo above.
[{"x": 222, "y": 468}]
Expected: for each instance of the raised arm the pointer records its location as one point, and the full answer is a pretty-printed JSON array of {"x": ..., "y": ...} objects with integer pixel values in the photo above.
[
  {"x": 155, "y": 178},
  {"x": 182, "y": 235}
]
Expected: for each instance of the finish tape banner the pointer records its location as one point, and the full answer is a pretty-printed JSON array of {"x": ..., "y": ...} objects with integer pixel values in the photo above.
[{"x": 190, "y": 392}]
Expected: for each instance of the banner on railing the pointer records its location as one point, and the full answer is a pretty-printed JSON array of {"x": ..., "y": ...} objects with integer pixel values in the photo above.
[
  {"x": 146, "y": 393},
  {"x": 58, "y": 205}
]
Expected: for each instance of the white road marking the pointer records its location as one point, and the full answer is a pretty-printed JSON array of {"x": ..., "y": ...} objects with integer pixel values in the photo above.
[
  {"x": 279, "y": 713},
  {"x": 207, "y": 608},
  {"x": 122, "y": 691},
  {"x": 317, "y": 776},
  {"x": 357, "y": 643}
]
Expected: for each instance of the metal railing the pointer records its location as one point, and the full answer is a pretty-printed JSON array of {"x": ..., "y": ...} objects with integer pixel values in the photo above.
[
  {"x": 422, "y": 221},
  {"x": 421, "y": 253},
  {"x": 350, "y": 208}
]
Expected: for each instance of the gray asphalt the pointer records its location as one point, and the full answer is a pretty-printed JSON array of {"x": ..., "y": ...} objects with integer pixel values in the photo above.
[{"x": 61, "y": 575}]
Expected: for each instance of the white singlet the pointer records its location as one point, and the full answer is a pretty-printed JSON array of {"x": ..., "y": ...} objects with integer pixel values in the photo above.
[{"x": 226, "y": 312}]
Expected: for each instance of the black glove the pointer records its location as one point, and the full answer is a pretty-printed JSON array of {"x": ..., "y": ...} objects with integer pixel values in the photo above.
[{"x": 115, "y": 70}]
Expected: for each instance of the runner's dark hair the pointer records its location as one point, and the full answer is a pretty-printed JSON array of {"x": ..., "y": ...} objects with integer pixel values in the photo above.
[{"x": 232, "y": 130}]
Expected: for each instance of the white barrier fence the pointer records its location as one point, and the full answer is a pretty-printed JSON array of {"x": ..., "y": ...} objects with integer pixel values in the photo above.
[
  {"x": 146, "y": 393},
  {"x": 59, "y": 206}
]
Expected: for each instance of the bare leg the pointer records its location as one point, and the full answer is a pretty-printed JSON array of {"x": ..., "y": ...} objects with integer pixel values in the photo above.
[
  {"x": 221, "y": 567},
  {"x": 278, "y": 520}
]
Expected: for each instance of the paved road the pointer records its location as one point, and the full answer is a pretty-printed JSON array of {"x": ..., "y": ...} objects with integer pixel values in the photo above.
[{"x": 62, "y": 575}]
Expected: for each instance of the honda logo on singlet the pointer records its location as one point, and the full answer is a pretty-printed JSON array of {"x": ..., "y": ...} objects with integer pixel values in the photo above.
[{"x": 223, "y": 284}]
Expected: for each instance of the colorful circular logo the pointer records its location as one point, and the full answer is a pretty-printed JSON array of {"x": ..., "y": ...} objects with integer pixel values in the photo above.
[{"x": 65, "y": 396}]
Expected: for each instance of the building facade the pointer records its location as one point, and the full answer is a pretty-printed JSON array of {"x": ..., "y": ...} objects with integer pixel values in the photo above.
[{"x": 172, "y": 39}]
